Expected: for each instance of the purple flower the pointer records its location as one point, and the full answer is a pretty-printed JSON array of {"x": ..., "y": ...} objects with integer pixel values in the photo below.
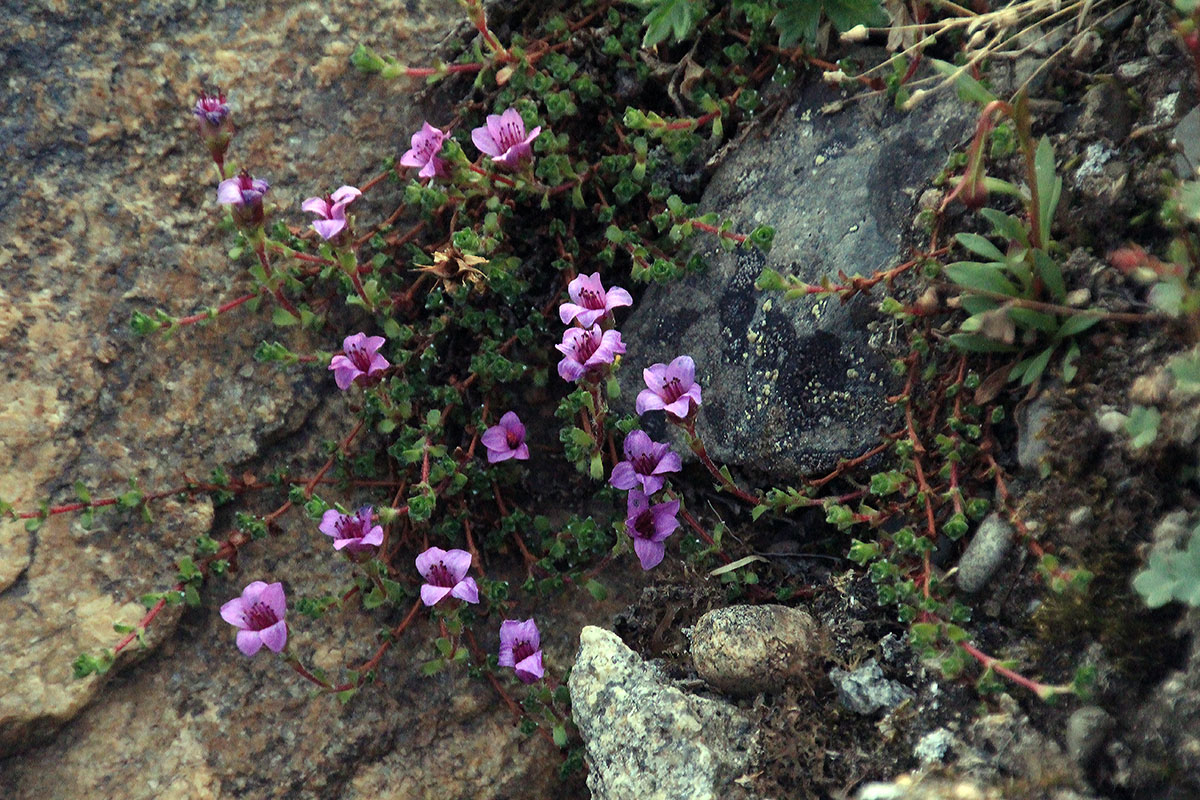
[
  {"x": 506, "y": 440},
  {"x": 213, "y": 124},
  {"x": 504, "y": 139},
  {"x": 352, "y": 531},
  {"x": 589, "y": 300},
  {"x": 587, "y": 350},
  {"x": 521, "y": 649},
  {"x": 671, "y": 388},
  {"x": 245, "y": 194},
  {"x": 649, "y": 525},
  {"x": 331, "y": 210},
  {"x": 426, "y": 144},
  {"x": 445, "y": 573},
  {"x": 361, "y": 361},
  {"x": 645, "y": 462},
  {"x": 258, "y": 615},
  {"x": 211, "y": 110}
]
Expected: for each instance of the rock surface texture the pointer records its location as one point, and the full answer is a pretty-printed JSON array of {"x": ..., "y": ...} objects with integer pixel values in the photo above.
[
  {"x": 797, "y": 385},
  {"x": 647, "y": 740},
  {"x": 742, "y": 650},
  {"x": 108, "y": 205}
]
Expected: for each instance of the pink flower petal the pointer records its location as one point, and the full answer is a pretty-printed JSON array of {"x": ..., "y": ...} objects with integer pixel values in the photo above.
[
  {"x": 249, "y": 642},
  {"x": 275, "y": 636}
]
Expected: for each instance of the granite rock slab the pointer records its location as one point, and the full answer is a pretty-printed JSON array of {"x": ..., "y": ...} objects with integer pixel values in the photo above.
[{"x": 795, "y": 386}]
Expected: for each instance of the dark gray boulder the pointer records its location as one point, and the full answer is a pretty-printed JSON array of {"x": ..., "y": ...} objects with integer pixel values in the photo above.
[{"x": 796, "y": 385}]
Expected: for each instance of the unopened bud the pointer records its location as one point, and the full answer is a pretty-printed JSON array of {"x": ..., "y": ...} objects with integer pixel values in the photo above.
[
  {"x": 214, "y": 124},
  {"x": 914, "y": 99},
  {"x": 858, "y": 33}
]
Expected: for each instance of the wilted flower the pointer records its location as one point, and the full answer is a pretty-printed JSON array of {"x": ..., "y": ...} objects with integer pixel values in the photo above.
[
  {"x": 361, "y": 361},
  {"x": 426, "y": 144},
  {"x": 244, "y": 194},
  {"x": 454, "y": 268},
  {"x": 590, "y": 301},
  {"x": 649, "y": 526},
  {"x": 352, "y": 532},
  {"x": 587, "y": 350},
  {"x": 258, "y": 615},
  {"x": 214, "y": 124},
  {"x": 671, "y": 388},
  {"x": 445, "y": 573},
  {"x": 645, "y": 463},
  {"x": 503, "y": 138},
  {"x": 331, "y": 210},
  {"x": 506, "y": 440},
  {"x": 521, "y": 649}
]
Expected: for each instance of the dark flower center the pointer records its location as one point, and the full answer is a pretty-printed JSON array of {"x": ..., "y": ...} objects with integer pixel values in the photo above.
[
  {"x": 259, "y": 617},
  {"x": 672, "y": 390},
  {"x": 512, "y": 439},
  {"x": 644, "y": 463},
  {"x": 592, "y": 299},
  {"x": 359, "y": 357},
  {"x": 522, "y": 650},
  {"x": 584, "y": 346},
  {"x": 348, "y": 528},
  {"x": 511, "y": 133},
  {"x": 429, "y": 148},
  {"x": 439, "y": 575},
  {"x": 643, "y": 526}
]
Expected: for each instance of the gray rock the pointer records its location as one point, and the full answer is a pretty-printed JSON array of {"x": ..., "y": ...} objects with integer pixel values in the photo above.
[
  {"x": 1032, "y": 446},
  {"x": 794, "y": 386},
  {"x": 1088, "y": 729},
  {"x": 934, "y": 746},
  {"x": 743, "y": 650},
  {"x": 985, "y": 553},
  {"x": 1187, "y": 137},
  {"x": 1106, "y": 113},
  {"x": 865, "y": 690},
  {"x": 645, "y": 739}
]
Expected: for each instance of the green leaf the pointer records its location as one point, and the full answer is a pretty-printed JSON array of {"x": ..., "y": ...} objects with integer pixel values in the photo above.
[
  {"x": 797, "y": 21},
  {"x": 845, "y": 14},
  {"x": 1032, "y": 368},
  {"x": 1049, "y": 185},
  {"x": 977, "y": 275},
  {"x": 968, "y": 88},
  {"x": 1006, "y": 226},
  {"x": 1167, "y": 297},
  {"x": 1076, "y": 325},
  {"x": 282, "y": 317},
  {"x": 559, "y": 732},
  {"x": 1035, "y": 320},
  {"x": 980, "y": 246},
  {"x": 1186, "y": 370},
  {"x": 1050, "y": 273},
  {"x": 670, "y": 16},
  {"x": 1142, "y": 426},
  {"x": 974, "y": 343},
  {"x": 1069, "y": 367},
  {"x": 596, "y": 589}
]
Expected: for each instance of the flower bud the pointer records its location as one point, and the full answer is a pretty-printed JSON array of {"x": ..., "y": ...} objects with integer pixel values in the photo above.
[{"x": 214, "y": 124}]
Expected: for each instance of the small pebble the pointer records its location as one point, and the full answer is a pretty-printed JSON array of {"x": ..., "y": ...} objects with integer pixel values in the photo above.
[
  {"x": 743, "y": 650},
  {"x": 1088, "y": 730},
  {"x": 985, "y": 553}
]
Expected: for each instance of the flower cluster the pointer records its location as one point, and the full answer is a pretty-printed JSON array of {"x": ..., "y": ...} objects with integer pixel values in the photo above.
[
  {"x": 588, "y": 351},
  {"x": 502, "y": 139}
]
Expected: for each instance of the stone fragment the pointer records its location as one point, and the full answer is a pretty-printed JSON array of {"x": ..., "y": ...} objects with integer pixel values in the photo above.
[
  {"x": 796, "y": 385},
  {"x": 1088, "y": 729},
  {"x": 743, "y": 650},
  {"x": 646, "y": 740},
  {"x": 985, "y": 553},
  {"x": 865, "y": 690},
  {"x": 1032, "y": 446}
]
